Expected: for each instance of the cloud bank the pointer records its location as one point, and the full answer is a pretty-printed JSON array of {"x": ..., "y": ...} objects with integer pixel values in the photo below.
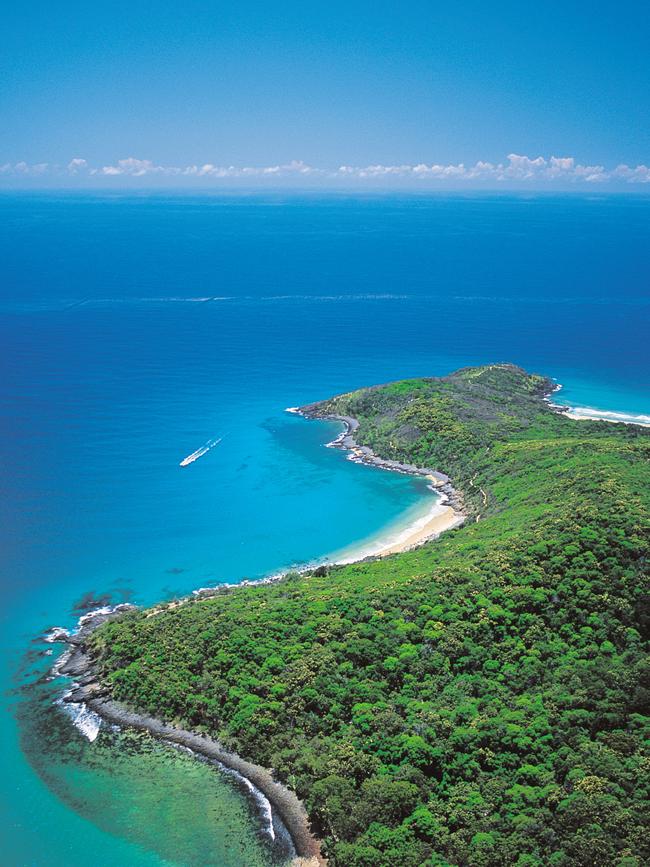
[{"x": 518, "y": 169}]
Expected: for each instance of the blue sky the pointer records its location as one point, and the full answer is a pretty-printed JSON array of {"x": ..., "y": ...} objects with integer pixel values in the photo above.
[{"x": 259, "y": 85}]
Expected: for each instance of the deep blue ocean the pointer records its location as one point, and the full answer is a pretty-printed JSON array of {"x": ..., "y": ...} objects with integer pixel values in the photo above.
[{"x": 135, "y": 328}]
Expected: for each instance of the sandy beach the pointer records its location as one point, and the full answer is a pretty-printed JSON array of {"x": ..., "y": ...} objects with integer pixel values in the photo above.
[
  {"x": 436, "y": 520},
  {"x": 89, "y": 695},
  {"x": 588, "y": 413},
  {"x": 442, "y": 518},
  {"x": 443, "y": 515}
]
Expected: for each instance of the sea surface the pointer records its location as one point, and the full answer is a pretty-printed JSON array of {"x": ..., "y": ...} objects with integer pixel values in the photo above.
[{"x": 134, "y": 329}]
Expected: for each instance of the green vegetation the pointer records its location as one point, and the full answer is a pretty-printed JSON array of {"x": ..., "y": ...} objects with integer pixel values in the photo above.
[{"x": 479, "y": 701}]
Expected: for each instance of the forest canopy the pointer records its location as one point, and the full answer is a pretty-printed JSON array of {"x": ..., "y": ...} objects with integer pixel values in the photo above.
[{"x": 481, "y": 700}]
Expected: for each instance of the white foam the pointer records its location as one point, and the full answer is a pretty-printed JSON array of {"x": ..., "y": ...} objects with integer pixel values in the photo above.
[
  {"x": 60, "y": 633},
  {"x": 336, "y": 442},
  {"x": 83, "y": 718},
  {"x": 57, "y": 633},
  {"x": 262, "y": 802},
  {"x": 55, "y": 671},
  {"x": 96, "y": 612},
  {"x": 338, "y": 439},
  {"x": 101, "y": 612},
  {"x": 593, "y": 414},
  {"x": 589, "y": 412}
]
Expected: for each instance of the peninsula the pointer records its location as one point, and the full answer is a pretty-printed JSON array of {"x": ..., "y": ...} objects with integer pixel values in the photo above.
[{"x": 479, "y": 700}]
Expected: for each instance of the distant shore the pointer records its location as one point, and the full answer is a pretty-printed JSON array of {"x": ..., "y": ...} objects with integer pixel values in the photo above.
[
  {"x": 588, "y": 413},
  {"x": 585, "y": 413}
]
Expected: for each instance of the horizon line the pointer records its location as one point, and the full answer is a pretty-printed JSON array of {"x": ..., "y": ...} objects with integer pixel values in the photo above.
[{"x": 517, "y": 170}]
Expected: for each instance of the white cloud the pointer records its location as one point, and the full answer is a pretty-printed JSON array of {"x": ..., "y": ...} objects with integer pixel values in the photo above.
[
  {"x": 76, "y": 165},
  {"x": 518, "y": 169},
  {"x": 136, "y": 168},
  {"x": 563, "y": 164},
  {"x": 522, "y": 167},
  {"x": 295, "y": 167},
  {"x": 638, "y": 175}
]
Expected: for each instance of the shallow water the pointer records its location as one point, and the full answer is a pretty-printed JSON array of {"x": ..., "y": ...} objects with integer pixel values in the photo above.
[
  {"x": 151, "y": 794},
  {"x": 112, "y": 375}
]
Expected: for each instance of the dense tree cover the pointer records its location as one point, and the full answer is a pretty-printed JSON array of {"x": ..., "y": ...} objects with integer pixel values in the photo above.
[{"x": 479, "y": 701}]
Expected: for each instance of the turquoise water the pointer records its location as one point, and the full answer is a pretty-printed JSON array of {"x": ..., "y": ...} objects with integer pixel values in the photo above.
[{"x": 114, "y": 371}]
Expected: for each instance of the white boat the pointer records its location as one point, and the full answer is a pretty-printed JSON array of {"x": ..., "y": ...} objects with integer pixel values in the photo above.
[{"x": 200, "y": 452}]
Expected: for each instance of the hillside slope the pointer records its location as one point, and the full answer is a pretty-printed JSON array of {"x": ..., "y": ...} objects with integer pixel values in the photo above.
[{"x": 478, "y": 701}]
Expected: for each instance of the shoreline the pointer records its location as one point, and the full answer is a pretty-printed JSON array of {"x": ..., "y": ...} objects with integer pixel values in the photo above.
[
  {"x": 446, "y": 513},
  {"x": 91, "y": 697},
  {"x": 588, "y": 413},
  {"x": 88, "y": 693},
  {"x": 439, "y": 518}
]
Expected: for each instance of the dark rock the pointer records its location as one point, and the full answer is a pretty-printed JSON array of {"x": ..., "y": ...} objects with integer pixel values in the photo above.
[{"x": 77, "y": 664}]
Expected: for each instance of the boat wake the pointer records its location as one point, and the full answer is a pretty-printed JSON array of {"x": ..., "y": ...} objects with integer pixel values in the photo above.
[{"x": 200, "y": 452}]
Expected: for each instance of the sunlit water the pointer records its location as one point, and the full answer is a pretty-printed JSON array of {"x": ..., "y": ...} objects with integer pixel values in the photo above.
[{"x": 113, "y": 372}]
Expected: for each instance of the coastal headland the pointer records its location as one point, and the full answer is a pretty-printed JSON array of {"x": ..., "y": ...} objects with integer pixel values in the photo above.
[
  {"x": 479, "y": 700},
  {"x": 89, "y": 692}
]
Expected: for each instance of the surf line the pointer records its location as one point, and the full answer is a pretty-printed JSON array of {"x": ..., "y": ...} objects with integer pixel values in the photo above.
[{"x": 200, "y": 452}]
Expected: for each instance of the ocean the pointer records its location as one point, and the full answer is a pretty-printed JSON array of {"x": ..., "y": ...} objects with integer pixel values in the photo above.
[{"x": 136, "y": 329}]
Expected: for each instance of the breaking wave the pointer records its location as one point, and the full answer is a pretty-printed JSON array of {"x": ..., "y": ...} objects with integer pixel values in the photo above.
[
  {"x": 594, "y": 414},
  {"x": 261, "y": 801},
  {"x": 588, "y": 412},
  {"x": 83, "y": 718}
]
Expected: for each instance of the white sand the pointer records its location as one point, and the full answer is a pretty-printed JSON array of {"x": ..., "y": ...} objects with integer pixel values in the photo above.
[
  {"x": 417, "y": 535},
  {"x": 428, "y": 526}
]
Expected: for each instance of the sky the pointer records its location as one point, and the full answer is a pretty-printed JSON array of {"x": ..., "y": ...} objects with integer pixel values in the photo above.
[{"x": 172, "y": 93}]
